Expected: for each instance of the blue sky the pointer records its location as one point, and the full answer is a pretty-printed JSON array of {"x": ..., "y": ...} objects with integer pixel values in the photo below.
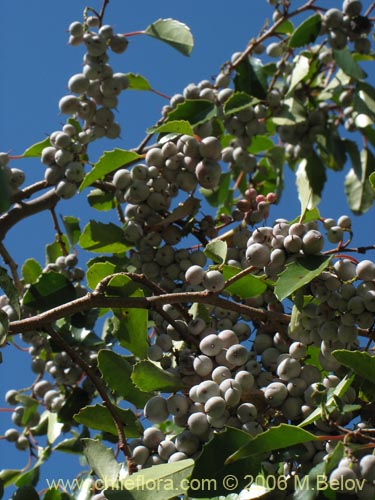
[{"x": 36, "y": 65}]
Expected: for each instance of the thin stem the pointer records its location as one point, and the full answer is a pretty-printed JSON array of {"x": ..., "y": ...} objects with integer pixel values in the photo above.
[
  {"x": 102, "y": 390},
  {"x": 59, "y": 233},
  {"x": 8, "y": 260}
]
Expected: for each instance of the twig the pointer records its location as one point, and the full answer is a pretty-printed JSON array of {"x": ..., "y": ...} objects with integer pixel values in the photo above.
[
  {"x": 12, "y": 266},
  {"x": 59, "y": 233},
  {"x": 102, "y": 390},
  {"x": 23, "y": 210}
]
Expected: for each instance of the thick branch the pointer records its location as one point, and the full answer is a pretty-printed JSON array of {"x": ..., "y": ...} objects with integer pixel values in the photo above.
[
  {"x": 23, "y": 210},
  {"x": 94, "y": 300}
]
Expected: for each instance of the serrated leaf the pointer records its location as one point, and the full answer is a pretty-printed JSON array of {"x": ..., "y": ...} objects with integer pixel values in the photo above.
[
  {"x": 103, "y": 238},
  {"x": 99, "y": 417},
  {"x": 300, "y": 69},
  {"x": 298, "y": 273},
  {"x": 360, "y": 362},
  {"x": 245, "y": 287},
  {"x": 137, "y": 82},
  {"x": 344, "y": 60},
  {"x": 10, "y": 290},
  {"x": 72, "y": 445},
  {"x": 173, "y": 127},
  {"x": 216, "y": 251},
  {"x": 72, "y": 228},
  {"x": 338, "y": 391},
  {"x": 35, "y": 150},
  {"x": 195, "y": 111},
  {"x": 359, "y": 194},
  {"x": 251, "y": 78},
  {"x": 237, "y": 102},
  {"x": 101, "y": 460},
  {"x": 110, "y": 365},
  {"x": 173, "y": 33},
  {"x": 108, "y": 162},
  {"x": 275, "y": 438},
  {"x": 173, "y": 477},
  {"x": 101, "y": 200},
  {"x": 50, "y": 290},
  {"x": 31, "y": 270},
  {"x": 149, "y": 377}
]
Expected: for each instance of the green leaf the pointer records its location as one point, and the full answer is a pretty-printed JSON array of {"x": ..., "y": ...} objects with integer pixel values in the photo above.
[
  {"x": 251, "y": 78},
  {"x": 245, "y": 287},
  {"x": 137, "y": 82},
  {"x": 72, "y": 228},
  {"x": 5, "y": 201},
  {"x": 308, "y": 216},
  {"x": 31, "y": 270},
  {"x": 171, "y": 479},
  {"x": 101, "y": 460},
  {"x": 372, "y": 180},
  {"x": 211, "y": 465},
  {"x": 35, "y": 150},
  {"x": 110, "y": 365},
  {"x": 237, "y": 102},
  {"x": 306, "y": 32},
  {"x": 195, "y": 111},
  {"x": 216, "y": 251},
  {"x": 221, "y": 194},
  {"x": 301, "y": 68},
  {"x": 25, "y": 493},
  {"x": 103, "y": 238},
  {"x": 285, "y": 28},
  {"x": 173, "y": 126},
  {"x": 360, "y": 362},
  {"x": 358, "y": 190},
  {"x": 275, "y": 438},
  {"x": 99, "y": 417},
  {"x": 129, "y": 326},
  {"x": 54, "y": 427},
  {"x": 298, "y": 273},
  {"x": 310, "y": 178},
  {"x": 98, "y": 271},
  {"x": 344, "y": 60},
  {"x": 173, "y": 33},
  {"x": 4, "y": 326},
  {"x": 338, "y": 391},
  {"x": 54, "y": 250},
  {"x": 149, "y": 377},
  {"x": 108, "y": 162},
  {"x": 291, "y": 113},
  {"x": 7, "y": 285},
  {"x": 307, "y": 487},
  {"x": 50, "y": 290},
  {"x": 54, "y": 494},
  {"x": 189, "y": 208},
  {"x": 101, "y": 200},
  {"x": 76, "y": 399},
  {"x": 72, "y": 445},
  {"x": 260, "y": 143}
]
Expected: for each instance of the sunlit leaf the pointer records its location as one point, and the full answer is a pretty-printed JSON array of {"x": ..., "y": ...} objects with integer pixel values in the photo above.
[
  {"x": 101, "y": 237},
  {"x": 101, "y": 460},
  {"x": 173, "y": 33},
  {"x": 306, "y": 32},
  {"x": 35, "y": 150},
  {"x": 108, "y": 162},
  {"x": 99, "y": 417},
  {"x": 149, "y": 377}
]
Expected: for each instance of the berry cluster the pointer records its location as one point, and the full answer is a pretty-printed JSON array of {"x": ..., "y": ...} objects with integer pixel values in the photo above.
[{"x": 94, "y": 96}]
